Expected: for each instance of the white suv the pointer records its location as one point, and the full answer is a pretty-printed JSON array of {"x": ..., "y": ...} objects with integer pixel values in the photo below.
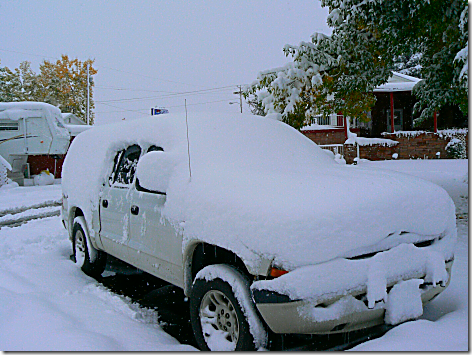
[{"x": 260, "y": 227}]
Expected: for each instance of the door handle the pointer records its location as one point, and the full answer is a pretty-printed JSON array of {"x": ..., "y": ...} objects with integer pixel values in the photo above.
[
  {"x": 105, "y": 203},
  {"x": 135, "y": 210}
]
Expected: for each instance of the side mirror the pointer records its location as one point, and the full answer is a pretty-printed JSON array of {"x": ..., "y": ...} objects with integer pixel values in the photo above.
[{"x": 154, "y": 171}]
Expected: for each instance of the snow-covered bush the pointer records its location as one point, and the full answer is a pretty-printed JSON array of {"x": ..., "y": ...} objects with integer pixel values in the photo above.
[
  {"x": 456, "y": 149},
  {"x": 44, "y": 178}
]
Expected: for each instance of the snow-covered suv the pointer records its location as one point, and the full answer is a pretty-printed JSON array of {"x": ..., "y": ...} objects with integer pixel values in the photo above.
[{"x": 260, "y": 227}]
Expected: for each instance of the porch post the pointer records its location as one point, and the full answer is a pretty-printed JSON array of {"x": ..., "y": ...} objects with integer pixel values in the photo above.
[
  {"x": 391, "y": 113},
  {"x": 345, "y": 126},
  {"x": 435, "y": 122}
]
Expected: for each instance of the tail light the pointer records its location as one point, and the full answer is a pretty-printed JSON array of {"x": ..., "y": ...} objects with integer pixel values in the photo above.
[{"x": 275, "y": 272}]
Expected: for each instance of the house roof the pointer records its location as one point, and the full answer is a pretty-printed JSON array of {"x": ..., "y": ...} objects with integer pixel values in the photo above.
[
  {"x": 75, "y": 129},
  {"x": 70, "y": 118},
  {"x": 398, "y": 82}
]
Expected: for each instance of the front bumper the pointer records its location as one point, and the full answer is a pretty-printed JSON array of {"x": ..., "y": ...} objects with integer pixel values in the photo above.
[{"x": 285, "y": 316}]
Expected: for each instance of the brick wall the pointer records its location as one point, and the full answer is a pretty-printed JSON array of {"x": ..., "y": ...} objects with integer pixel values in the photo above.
[
  {"x": 370, "y": 152},
  {"x": 424, "y": 145},
  {"x": 328, "y": 136},
  {"x": 414, "y": 145}
]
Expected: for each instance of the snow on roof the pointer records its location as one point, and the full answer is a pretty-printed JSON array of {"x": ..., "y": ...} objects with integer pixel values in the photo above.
[
  {"x": 75, "y": 129},
  {"x": 71, "y": 118},
  {"x": 317, "y": 127},
  {"x": 30, "y": 109},
  {"x": 17, "y": 110},
  {"x": 398, "y": 82}
]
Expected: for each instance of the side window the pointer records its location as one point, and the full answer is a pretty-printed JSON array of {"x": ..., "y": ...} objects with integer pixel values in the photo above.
[
  {"x": 115, "y": 165},
  {"x": 126, "y": 168},
  {"x": 154, "y": 148}
]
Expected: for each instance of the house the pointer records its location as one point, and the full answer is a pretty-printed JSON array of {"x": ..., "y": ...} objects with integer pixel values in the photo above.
[
  {"x": 395, "y": 94},
  {"x": 390, "y": 132},
  {"x": 71, "y": 118}
]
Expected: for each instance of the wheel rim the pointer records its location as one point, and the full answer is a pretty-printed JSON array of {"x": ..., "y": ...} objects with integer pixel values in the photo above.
[
  {"x": 219, "y": 321},
  {"x": 80, "y": 248}
]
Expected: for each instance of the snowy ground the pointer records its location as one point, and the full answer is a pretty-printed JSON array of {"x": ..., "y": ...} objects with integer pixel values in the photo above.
[{"x": 48, "y": 304}]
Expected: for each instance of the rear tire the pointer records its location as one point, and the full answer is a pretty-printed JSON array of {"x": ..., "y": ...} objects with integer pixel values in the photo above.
[{"x": 90, "y": 260}]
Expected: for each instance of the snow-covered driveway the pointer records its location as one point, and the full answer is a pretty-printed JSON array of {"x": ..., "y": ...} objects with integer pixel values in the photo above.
[{"x": 46, "y": 303}]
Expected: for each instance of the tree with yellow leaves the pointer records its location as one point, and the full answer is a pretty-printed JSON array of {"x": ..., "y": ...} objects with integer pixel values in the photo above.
[{"x": 64, "y": 84}]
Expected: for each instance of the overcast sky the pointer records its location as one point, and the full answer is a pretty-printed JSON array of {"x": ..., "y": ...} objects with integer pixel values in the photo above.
[{"x": 158, "y": 53}]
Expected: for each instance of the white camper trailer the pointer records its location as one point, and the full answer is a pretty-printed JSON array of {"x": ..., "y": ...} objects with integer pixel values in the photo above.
[{"x": 31, "y": 128}]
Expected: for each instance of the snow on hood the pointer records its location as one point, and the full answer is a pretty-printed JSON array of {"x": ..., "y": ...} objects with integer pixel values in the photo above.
[{"x": 262, "y": 189}]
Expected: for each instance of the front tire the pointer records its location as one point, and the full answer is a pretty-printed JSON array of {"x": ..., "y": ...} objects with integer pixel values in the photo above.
[
  {"x": 90, "y": 260},
  {"x": 222, "y": 321}
]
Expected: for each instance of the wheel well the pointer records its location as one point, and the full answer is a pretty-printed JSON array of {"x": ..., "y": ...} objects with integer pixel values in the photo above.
[
  {"x": 78, "y": 212},
  {"x": 75, "y": 212},
  {"x": 207, "y": 254}
]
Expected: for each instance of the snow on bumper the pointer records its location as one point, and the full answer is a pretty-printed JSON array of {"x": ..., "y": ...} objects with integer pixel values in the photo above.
[{"x": 345, "y": 294}]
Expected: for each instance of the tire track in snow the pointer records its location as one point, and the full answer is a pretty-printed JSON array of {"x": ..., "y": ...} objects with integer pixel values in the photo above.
[
  {"x": 16, "y": 210},
  {"x": 26, "y": 214}
]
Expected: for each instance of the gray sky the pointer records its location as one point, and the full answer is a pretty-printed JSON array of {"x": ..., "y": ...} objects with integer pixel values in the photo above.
[{"x": 159, "y": 49}]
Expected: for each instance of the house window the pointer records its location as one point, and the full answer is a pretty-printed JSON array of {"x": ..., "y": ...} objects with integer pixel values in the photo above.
[
  {"x": 323, "y": 120},
  {"x": 397, "y": 120},
  {"x": 9, "y": 126}
]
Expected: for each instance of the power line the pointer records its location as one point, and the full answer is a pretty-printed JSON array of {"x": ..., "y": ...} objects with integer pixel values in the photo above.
[
  {"x": 35, "y": 55},
  {"x": 124, "y": 109},
  {"x": 100, "y": 66},
  {"x": 145, "y": 110},
  {"x": 146, "y": 76},
  {"x": 166, "y": 96},
  {"x": 170, "y": 94},
  {"x": 199, "y": 103},
  {"x": 204, "y": 91},
  {"x": 125, "y": 89}
]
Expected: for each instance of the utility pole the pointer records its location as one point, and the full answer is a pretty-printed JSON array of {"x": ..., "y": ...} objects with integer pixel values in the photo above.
[
  {"x": 240, "y": 92},
  {"x": 88, "y": 93}
]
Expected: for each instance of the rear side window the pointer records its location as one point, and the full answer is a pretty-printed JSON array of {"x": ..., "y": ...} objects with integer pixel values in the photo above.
[
  {"x": 124, "y": 171},
  {"x": 155, "y": 148}
]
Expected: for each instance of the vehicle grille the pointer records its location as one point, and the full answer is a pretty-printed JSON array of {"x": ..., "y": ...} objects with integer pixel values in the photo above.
[{"x": 423, "y": 244}]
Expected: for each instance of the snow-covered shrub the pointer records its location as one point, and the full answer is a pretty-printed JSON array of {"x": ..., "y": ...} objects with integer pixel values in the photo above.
[
  {"x": 44, "y": 178},
  {"x": 456, "y": 149}
]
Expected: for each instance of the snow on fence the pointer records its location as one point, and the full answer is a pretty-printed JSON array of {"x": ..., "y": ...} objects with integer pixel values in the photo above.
[
  {"x": 445, "y": 144},
  {"x": 335, "y": 148}
]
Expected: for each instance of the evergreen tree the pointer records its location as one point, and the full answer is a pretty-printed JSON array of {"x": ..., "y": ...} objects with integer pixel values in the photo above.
[
  {"x": 408, "y": 64},
  {"x": 29, "y": 82},
  {"x": 10, "y": 85}
]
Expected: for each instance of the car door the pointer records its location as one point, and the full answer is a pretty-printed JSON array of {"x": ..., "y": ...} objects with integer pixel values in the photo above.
[
  {"x": 155, "y": 246},
  {"x": 115, "y": 204}
]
